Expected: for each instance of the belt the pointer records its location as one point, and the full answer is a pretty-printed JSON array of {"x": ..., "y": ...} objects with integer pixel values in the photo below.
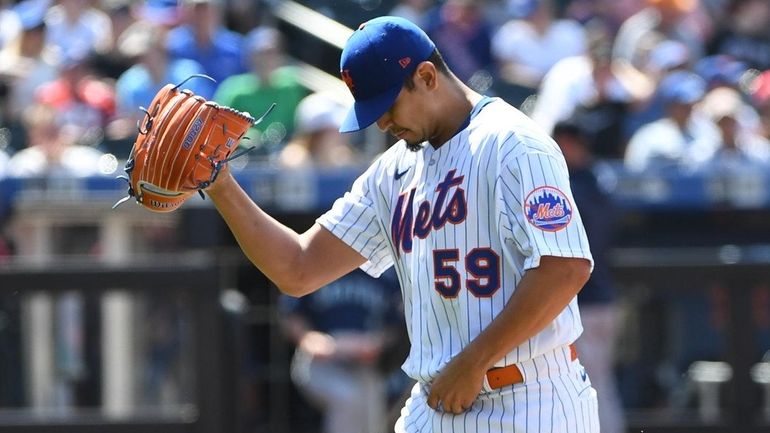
[{"x": 511, "y": 374}]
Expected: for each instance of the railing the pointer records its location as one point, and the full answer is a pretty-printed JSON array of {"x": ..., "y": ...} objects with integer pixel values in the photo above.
[
  {"x": 207, "y": 399},
  {"x": 315, "y": 190},
  {"x": 674, "y": 271}
]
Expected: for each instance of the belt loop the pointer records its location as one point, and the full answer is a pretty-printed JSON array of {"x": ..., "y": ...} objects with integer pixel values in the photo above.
[{"x": 486, "y": 387}]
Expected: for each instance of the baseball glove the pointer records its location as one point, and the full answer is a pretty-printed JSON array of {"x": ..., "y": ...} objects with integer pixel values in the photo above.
[{"x": 183, "y": 142}]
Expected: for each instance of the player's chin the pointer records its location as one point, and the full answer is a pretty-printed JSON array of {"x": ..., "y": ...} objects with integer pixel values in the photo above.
[{"x": 414, "y": 146}]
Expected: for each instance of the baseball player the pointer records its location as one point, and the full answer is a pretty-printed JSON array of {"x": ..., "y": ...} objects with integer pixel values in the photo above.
[{"x": 473, "y": 209}]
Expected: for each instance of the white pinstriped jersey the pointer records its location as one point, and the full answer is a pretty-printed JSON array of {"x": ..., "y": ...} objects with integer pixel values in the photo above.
[{"x": 461, "y": 224}]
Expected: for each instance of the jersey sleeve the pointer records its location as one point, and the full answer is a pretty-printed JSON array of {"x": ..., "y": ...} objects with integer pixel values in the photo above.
[
  {"x": 538, "y": 204},
  {"x": 354, "y": 219}
]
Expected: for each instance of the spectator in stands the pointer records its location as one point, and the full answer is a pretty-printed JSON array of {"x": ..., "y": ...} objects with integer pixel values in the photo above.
[
  {"x": 164, "y": 13},
  {"x": 462, "y": 33},
  {"x": 27, "y": 62},
  {"x": 678, "y": 140},
  {"x": 415, "y": 11},
  {"x": 121, "y": 17},
  {"x": 5, "y": 210},
  {"x": 341, "y": 333},
  {"x": 661, "y": 19},
  {"x": 599, "y": 310},
  {"x": 271, "y": 80},
  {"x": 745, "y": 35},
  {"x": 82, "y": 98},
  {"x": 9, "y": 23},
  {"x": 612, "y": 12},
  {"x": 76, "y": 28},
  {"x": 204, "y": 38},
  {"x": 111, "y": 63},
  {"x": 760, "y": 97},
  {"x": 527, "y": 46},
  {"x": 4, "y": 117},
  {"x": 721, "y": 70},
  {"x": 145, "y": 44},
  {"x": 3, "y": 163},
  {"x": 599, "y": 89},
  {"x": 242, "y": 16},
  {"x": 317, "y": 141},
  {"x": 53, "y": 150},
  {"x": 740, "y": 149},
  {"x": 664, "y": 57}
]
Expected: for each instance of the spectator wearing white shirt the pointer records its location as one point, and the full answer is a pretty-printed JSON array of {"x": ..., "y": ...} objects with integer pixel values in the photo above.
[
  {"x": 76, "y": 28},
  {"x": 317, "y": 141},
  {"x": 27, "y": 62},
  {"x": 527, "y": 46},
  {"x": 52, "y": 149},
  {"x": 9, "y": 23},
  {"x": 594, "y": 85},
  {"x": 661, "y": 19},
  {"x": 664, "y": 57},
  {"x": 740, "y": 149},
  {"x": 3, "y": 163},
  {"x": 679, "y": 140}
]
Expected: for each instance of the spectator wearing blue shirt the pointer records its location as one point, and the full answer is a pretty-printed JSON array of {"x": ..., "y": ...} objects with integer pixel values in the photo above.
[
  {"x": 463, "y": 34},
  {"x": 153, "y": 69},
  {"x": 679, "y": 140},
  {"x": 204, "y": 39}
]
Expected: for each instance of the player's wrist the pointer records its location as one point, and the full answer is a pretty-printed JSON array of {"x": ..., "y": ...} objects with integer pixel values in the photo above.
[{"x": 224, "y": 178}]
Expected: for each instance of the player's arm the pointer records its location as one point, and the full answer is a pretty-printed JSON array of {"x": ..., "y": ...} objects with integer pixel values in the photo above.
[
  {"x": 542, "y": 293},
  {"x": 297, "y": 263}
]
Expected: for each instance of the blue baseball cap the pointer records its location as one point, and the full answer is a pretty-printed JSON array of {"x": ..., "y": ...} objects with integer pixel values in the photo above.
[
  {"x": 161, "y": 12},
  {"x": 31, "y": 13},
  {"x": 682, "y": 87},
  {"x": 376, "y": 60},
  {"x": 720, "y": 68}
]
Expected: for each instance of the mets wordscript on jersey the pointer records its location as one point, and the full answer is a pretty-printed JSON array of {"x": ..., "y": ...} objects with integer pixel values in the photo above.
[{"x": 450, "y": 206}]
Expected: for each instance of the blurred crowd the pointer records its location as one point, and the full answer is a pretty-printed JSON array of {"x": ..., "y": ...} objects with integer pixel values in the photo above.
[
  {"x": 657, "y": 84},
  {"x": 76, "y": 74},
  {"x": 664, "y": 86}
]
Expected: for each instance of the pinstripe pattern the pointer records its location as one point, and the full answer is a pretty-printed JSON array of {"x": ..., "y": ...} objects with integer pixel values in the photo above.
[
  {"x": 492, "y": 167},
  {"x": 558, "y": 400}
]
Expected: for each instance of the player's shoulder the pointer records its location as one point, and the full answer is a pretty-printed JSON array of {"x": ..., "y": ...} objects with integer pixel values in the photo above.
[{"x": 513, "y": 132}]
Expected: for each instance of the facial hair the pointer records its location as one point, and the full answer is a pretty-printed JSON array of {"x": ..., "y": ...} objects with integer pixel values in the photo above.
[{"x": 414, "y": 147}]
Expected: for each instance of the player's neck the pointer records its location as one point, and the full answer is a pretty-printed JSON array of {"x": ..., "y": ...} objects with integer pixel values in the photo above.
[{"x": 457, "y": 106}]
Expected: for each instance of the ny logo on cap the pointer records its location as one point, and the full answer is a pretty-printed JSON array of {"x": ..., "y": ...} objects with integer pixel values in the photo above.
[{"x": 347, "y": 78}]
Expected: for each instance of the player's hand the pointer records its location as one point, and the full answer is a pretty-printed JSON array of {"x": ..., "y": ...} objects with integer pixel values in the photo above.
[
  {"x": 318, "y": 345},
  {"x": 455, "y": 389},
  {"x": 359, "y": 347}
]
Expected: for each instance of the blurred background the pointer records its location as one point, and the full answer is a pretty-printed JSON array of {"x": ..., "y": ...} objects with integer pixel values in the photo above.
[{"x": 127, "y": 321}]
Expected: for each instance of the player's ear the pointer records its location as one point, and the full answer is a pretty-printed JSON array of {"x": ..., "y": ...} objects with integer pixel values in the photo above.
[{"x": 427, "y": 75}]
